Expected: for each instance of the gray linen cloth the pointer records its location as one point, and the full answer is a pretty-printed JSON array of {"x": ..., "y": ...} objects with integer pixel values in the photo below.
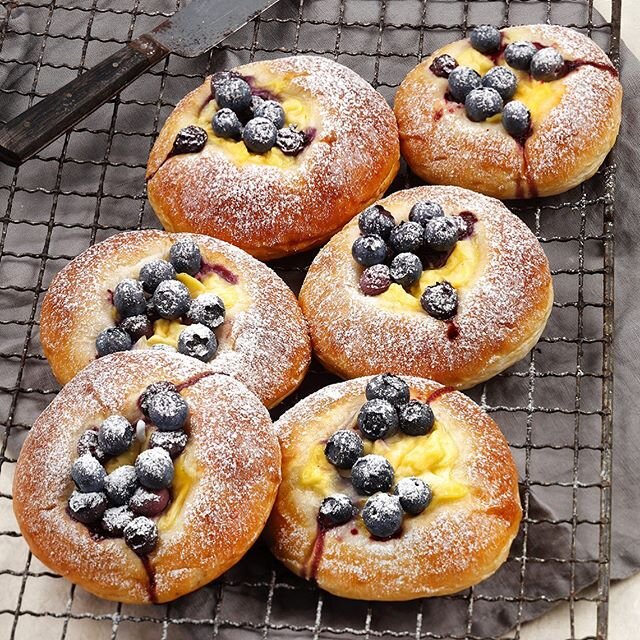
[{"x": 102, "y": 190}]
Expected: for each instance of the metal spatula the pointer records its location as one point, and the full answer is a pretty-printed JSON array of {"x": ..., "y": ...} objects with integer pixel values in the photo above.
[{"x": 191, "y": 31}]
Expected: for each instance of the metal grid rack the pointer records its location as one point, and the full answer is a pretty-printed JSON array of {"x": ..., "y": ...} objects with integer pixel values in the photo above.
[{"x": 46, "y": 208}]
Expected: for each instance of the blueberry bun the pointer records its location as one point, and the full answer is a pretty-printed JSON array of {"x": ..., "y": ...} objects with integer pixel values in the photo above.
[
  {"x": 273, "y": 156},
  {"x": 393, "y": 489},
  {"x": 436, "y": 282},
  {"x": 178, "y": 292},
  {"x": 147, "y": 477},
  {"x": 514, "y": 113}
]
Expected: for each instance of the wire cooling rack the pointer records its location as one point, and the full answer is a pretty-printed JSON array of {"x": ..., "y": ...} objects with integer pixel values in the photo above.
[{"x": 555, "y": 406}]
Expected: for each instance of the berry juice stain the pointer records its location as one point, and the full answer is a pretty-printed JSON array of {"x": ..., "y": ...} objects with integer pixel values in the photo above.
[
  {"x": 470, "y": 220},
  {"x": 438, "y": 393},
  {"x": 453, "y": 330},
  {"x": 151, "y": 574},
  {"x": 220, "y": 270}
]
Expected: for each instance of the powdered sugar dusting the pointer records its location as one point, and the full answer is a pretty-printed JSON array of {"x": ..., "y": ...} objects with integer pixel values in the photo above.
[
  {"x": 265, "y": 345},
  {"x": 566, "y": 147},
  {"x": 232, "y": 451},
  {"x": 447, "y": 548},
  {"x": 501, "y": 311},
  {"x": 256, "y": 206}
]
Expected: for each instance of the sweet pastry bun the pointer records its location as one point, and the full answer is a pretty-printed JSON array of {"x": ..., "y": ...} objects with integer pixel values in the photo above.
[
  {"x": 461, "y": 537},
  {"x": 263, "y": 340},
  {"x": 267, "y": 201},
  {"x": 224, "y": 481},
  {"x": 492, "y": 292},
  {"x": 574, "y": 102}
]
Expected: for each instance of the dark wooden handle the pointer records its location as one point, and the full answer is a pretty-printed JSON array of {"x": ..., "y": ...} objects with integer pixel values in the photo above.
[{"x": 34, "y": 129}]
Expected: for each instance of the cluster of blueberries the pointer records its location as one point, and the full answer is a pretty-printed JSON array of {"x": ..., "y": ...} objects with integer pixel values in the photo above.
[
  {"x": 487, "y": 96},
  {"x": 387, "y": 410},
  {"x": 157, "y": 294},
  {"x": 122, "y": 503},
  {"x": 398, "y": 254},
  {"x": 243, "y": 115}
]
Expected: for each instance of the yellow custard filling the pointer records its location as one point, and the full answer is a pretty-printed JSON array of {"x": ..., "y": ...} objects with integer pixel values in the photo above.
[
  {"x": 128, "y": 457},
  {"x": 296, "y": 111},
  {"x": 539, "y": 97},
  {"x": 459, "y": 271},
  {"x": 185, "y": 476},
  {"x": 234, "y": 297},
  {"x": 430, "y": 457}
]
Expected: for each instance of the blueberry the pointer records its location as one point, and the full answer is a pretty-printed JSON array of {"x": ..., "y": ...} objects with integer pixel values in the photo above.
[
  {"x": 171, "y": 299},
  {"x": 207, "y": 309},
  {"x": 369, "y": 250},
  {"x": 115, "y": 519},
  {"x": 485, "y": 38},
  {"x": 173, "y": 442},
  {"x": 271, "y": 110},
  {"x": 416, "y": 418},
  {"x": 407, "y": 237},
  {"x": 501, "y": 79},
  {"x": 115, "y": 435},
  {"x": 370, "y": 474},
  {"x": 185, "y": 257},
  {"x": 87, "y": 507},
  {"x": 152, "y": 390},
  {"x": 483, "y": 103},
  {"x": 424, "y": 211},
  {"x": 291, "y": 141},
  {"x": 88, "y": 443},
  {"x": 88, "y": 474},
  {"x": 128, "y": 298},
  {"x": 112, "y": 339},
  {"x": 233, "y": 93},
  {"x": 462, "y": 81},
  {"x": 154, "y": 468},
  {"x": 377, "y": 419},
  {"x": 167, "y": 410},
  {"x": 375, "y": 280},
  {"x": 335, "y": 510},
  {"x": 141, "y": 535},
  {"x": 191, "y": 139},
  {"x": 414, "y": 494},
  {"x": 221, "y": 77},
  {"x": 406, "y": 269},
  {"x": 149, "y": 502},
  {"x": 137, "y": 326},
  {"x": 198, "y": 341},
  {"x": 259, "y": 135},
  {"x": 377, "y": 221},
  {"x": 516, "y": 119},
  {"x": 388, "y": 387},
  {"x": 226, "y": 124},
  {"x": 382, "y": 515},
  {"x": 441, "y": 234},
  {"x": 440, "y": 301},
  {"x": 443, "y": 65},
  {"x": 519, "y": 54},
  {"x": 120, "y": 484},
  {"x": 343, "y": 448},
  {"x": 547, "y": 64},
  {"x": 154, "y": 272}
]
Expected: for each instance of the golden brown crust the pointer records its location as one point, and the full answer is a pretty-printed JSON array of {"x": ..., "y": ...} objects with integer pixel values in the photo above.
[
  {"x": 443, "y": 146},
  {"x": 231, "y": 443},
  {"x": 266, "y": 210},
  {"x": 266, "y": 346},
  {"x": 449, "y": 547},
  {"x": 501, "y": 312}
]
